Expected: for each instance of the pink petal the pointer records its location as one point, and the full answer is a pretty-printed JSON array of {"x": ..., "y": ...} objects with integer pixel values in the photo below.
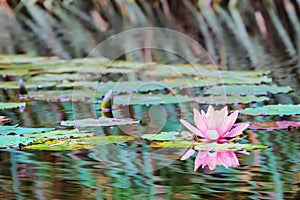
[
  {"x": 199, "y": 159},
  {"x": 212, "y": 162},
  {"x": 237, "y": 130},
  {"x": 188, "y": 154},
  {"x": 191, "y": 128},
  {"x": 234, "y": 159},
  {"x": 210, "y": 111},
  {"x": 200, "y": 121},
  {"x": 228, "y": 123}
]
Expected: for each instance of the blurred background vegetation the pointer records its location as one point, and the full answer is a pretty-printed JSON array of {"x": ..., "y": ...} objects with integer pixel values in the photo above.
[{"x": 237, "y": 34}]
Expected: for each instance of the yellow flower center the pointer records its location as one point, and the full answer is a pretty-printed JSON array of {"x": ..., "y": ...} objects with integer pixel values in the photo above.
[{"x": 212, "y": 134}]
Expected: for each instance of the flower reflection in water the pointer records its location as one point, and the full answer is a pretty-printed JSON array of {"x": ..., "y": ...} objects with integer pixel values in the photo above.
[
  {"x": 214, "y": 127},
  {"x": 212, "y": 158}
]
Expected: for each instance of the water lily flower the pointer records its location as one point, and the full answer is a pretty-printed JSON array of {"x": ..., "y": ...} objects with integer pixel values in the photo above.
[
  {"x": 212, "y": 158},
  {"x": 215, "y": 125}
]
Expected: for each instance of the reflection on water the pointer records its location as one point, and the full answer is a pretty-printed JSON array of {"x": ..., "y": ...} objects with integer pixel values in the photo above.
[{"x": 135, "y": 170}]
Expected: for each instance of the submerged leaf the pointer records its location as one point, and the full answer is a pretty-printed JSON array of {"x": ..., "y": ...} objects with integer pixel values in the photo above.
[{"x": 281, "y": 109}]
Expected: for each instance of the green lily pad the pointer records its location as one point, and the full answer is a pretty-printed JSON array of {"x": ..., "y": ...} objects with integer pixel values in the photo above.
[
  {"x": 64, "y": 95},
  {"x": 210, "y": 81},
  {"x": 15, "y": 136},
  {"x": 286, "y": 109},
  {"x": 13, "y": 141},
  {"x": 102, "y": 121},
  {"x": 230, "y": 99},
  {"x": 166, "y": 136},
  {"x": 130, "y": 64},
  {"x": 7, "y": 105},
  {"x": 80, "y": 143},
  {"x": 18, "y": 72},
  {"x": 208, "y": 146},
  {"x": 150, "y": 99},
  {"x": 136, "y": 86},
  {"x": 6, "y": 130},
  {"x": 198, "y": 71},
  {"x": 247, "y": 89},
  {"x": 28, "y": 85},
  {"x": 24, "y": 59},
  {"x": 61, "y": 77}
]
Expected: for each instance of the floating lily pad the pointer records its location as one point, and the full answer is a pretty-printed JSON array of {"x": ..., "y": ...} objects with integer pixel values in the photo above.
[
  {"x": 208, "y": 146},
  {"x": 23, "y": 59},
  {"x": 17, "y": 72},
  {"x": 80, "y": 143},
  {"x": 210, "y": 81},
  {"x": 286, "y": 109},
  {"x": 198, "y": 71},
  {"x": 274, "y": 125},
  {"x": 28, "y": 85},
  {"x": 7, "y": 105},
  {"x": 130, "y": 64},
  {"x": 13, "y": 141},
  {"x": 136, "y": 86},
  {"x": 230, "y": 99},
  {"x": 166, "y": 136},
  {"x": 78, "y": 84},
  {"x": 61, "y": 77},
  {"x": 150, "y": 99},
  {"x": 12, "y": 130},
  {"x": 64, "y": 95},
  {"x": 14, "y": 137},
  {"x": 59, "y": 134},
  {"x": 102, "y": 121},
  {"x": 247, "y": 89}
]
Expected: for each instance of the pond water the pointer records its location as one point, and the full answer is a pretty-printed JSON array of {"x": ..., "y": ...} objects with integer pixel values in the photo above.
[{"x": 138, "y": 171}]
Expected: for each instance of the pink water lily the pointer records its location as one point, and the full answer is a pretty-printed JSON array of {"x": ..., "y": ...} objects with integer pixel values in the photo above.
[
  {"x": 212, "y": 158},
  {"x": 215, "y": 125}
]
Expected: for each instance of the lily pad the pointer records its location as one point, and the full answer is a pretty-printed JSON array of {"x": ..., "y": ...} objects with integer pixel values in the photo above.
[
  {"x": 17, "y": 72},
  {"x": 80, "y": 143},
  {"x": 247, "y": 89},
  {"x": 230, "y": 99},
  {"x": 274, "y": 125},
  {"x": 12, "y": 130},
  {"x": 208, "y": 146},
  {"x": 28, "y": 85},
  {"x": 150, "y": 99},
  {"x": 64, "y": 95},
  {"x": 130, "y": 64},
  {"x": 102, "y": 121},
  {"x": 166, "y": 136},
  {"x": 24, "y": 59},
  {"x": 13, "y": 141},
  {"x": 61, "y": 77},
  {"x": 7, "y": 105},
  {"x": 210, "y": 81},
  {"x": 59, "y": 134},
  {"x": 136, "y": 86},
  {"x": 281, "y": 109}
]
